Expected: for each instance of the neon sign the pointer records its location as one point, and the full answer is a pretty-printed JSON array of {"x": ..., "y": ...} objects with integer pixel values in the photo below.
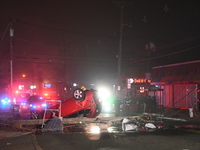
[{"x": 141, "y": 81}]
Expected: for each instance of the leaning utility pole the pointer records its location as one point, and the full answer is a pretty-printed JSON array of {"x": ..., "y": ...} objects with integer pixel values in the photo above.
[{"x": 122, "y": 4}]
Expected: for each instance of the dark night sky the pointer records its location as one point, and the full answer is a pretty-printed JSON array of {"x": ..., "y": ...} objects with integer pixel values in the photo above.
[{"x": 85, "y": 33}]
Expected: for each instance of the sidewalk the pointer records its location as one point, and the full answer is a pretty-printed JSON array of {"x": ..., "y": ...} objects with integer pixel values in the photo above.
[
  {"x": 7, "y": 130},
  {"x": 9, "y": 134},
  {"x": 182, "y": 113}
]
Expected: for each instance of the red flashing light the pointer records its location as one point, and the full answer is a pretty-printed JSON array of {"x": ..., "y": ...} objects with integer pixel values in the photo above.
[{"x": 46, "y": 94}]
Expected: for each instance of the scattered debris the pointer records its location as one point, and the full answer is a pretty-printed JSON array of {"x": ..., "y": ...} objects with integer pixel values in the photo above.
[
  {"x": 54, "y": 124},
  {"x": 147, "y": 122}
]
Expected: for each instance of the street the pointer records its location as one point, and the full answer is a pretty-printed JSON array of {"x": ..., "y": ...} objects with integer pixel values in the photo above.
[
  {"x": 138, "y": 141},
  {"x": 165, "y": 140},
  {"x": 172, "y": 137},
  {"x": 99, "y": 75}
]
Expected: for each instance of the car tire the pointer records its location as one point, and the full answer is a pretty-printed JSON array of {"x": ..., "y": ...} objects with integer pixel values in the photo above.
[
  {"x": 79, "y": 95},
  {"x": 36, "y": 115}
]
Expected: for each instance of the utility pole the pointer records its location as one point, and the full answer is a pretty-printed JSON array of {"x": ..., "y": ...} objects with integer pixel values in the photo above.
[
  {"x": 122, "y": 4},
  {"x": 11, "y": 58}
]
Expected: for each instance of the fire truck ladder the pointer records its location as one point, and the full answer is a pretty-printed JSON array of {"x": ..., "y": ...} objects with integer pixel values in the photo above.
[{"x": 58, "y": 109}]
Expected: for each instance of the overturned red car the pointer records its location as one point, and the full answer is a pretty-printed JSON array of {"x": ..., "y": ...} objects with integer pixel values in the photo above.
[{"x": 83, "y": 103}]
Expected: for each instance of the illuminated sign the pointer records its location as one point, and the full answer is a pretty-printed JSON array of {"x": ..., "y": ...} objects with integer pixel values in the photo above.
[
  {"x": 141, "y": 81},
  {"x": 21, "y": 87},
  {"x": 129, "y": 81},
  {"x": 141, "y": 89}
]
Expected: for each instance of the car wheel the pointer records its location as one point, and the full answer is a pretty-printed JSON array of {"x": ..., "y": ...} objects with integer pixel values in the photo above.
[
  {"x": 79, "y": 95},
  {"x": 36, "y": 115}
]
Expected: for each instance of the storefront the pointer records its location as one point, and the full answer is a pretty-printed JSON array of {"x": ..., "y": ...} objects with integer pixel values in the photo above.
[{"x": 180, "y": 83}]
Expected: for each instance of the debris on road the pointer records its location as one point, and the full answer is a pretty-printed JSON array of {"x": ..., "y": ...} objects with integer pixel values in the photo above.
[
  {"x": 146, "y": 122},
  {"x": 54, "y": 124}
]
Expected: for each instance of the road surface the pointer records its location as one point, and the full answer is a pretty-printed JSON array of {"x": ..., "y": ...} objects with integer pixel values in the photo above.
[{"x": 160, "y": 140}]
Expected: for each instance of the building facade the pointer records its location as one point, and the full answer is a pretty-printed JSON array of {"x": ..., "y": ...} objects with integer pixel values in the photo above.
[{"x": 180, "y": 84}]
